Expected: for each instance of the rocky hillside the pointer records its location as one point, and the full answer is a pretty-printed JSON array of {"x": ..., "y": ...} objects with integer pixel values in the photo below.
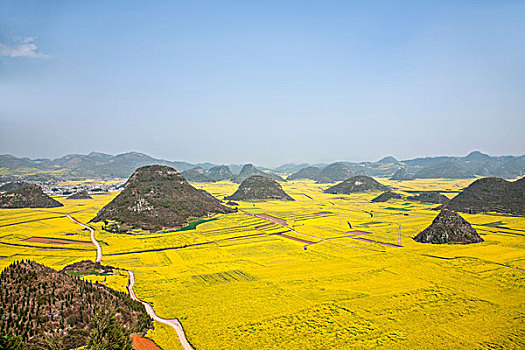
[
  {"x": 249, "y": 170},
  {"x": 491, "y": 195},
  {"x": 449, "y": 227},
  {"x": 402, "y": 175},
  {"x": 30, "y": 196},
  {"x": 386, "y": 196},
  {"x": 429, "y": 197},
  {"x": 311, "y": 172},
  {"x": 37, "y": 301},
  {"x": 447, "y": 170},
  {"x": 356, "y": 184},
  {"x": 80, "y": 195},
  {"x": 259, "y": 188},
  {"x": 157, "y": 197}
]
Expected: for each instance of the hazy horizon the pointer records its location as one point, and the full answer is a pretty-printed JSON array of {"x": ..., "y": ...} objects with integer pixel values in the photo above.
[
  {"x": 268, "y": 165},
  {"x": 265, "y": 83}
]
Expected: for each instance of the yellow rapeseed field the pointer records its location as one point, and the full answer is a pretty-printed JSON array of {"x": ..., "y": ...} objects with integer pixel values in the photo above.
[{"x": 341, "y": 273}]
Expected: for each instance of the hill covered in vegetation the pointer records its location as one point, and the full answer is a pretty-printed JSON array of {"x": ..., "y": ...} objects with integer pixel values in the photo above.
[
  {"x": 259, "y": 188},
  {"x": 331, "y": 173},
  {"x": 29, "y": 196},
  {"x": 219, "y": 173},
  {"x": 402, "y": 175},
  {"x": 449, "y": 227},
  {"x": 216, "y": 173},
  {"x": 447, "y": 170},
  {"x": 250, "y": 170},
  {"x": 47, "y": 309},
  {"x": 195, "y": 175},
  {"x": 491, "y": 195},
  {"x": 429, "y": 197},
  {"x": 311, "y": 172},
  {"x": 386, "y": 196},
  {"x": 356, "y": 184},
  {"x": 157, "y": 197}
]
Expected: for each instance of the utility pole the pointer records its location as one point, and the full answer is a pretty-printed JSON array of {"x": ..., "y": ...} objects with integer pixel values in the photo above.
[{"x": 399, "y": 236}]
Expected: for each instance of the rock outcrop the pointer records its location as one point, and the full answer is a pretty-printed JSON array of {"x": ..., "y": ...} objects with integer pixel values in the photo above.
[{"x": 449, "y": 227}]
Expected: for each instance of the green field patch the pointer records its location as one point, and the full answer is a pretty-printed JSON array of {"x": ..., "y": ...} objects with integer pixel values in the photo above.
[
  {"x": 88, "y": 273},
  {"x": 398, "y": 209},
  {"x": 224, "y": 277},
  {"x": 193, "y": 223},
  {"x": 495, "y": 224}
]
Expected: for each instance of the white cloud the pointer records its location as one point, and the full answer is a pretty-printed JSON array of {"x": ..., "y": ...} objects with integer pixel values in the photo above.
[{"x": 24, "y": 47}]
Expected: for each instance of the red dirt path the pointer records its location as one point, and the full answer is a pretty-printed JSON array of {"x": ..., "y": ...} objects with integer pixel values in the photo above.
[
  {"x": 141, "y": 343},
  {"x": 54, "y": 241}
]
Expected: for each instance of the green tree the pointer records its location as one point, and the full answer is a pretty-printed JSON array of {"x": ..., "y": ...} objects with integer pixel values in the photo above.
[
  {"x": 108, "y": 334},
  {"x": 11, "y": 343}
]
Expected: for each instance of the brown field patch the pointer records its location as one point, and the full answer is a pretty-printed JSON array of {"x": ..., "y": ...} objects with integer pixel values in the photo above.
[
  {"x": 262, "y": 226},
  {"x": 295, "y": 239},
  {"x": 357, "y": 232},
  {"x": 322, "y": 213},
  {"x": 55, "y": 241},
  {"x": 141, "y": 343}
]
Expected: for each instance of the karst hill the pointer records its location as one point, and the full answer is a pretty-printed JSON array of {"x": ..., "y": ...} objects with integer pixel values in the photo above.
[{"x": 157, "y": 197}]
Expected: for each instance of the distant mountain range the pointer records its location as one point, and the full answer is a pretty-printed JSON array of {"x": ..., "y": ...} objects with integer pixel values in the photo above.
[{"x": 104, "y": 166}]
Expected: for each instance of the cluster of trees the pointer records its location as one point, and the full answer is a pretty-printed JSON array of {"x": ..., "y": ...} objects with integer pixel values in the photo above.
[
  {"x": 42, "y": 308},
  {"x": 106, "y": 334}
]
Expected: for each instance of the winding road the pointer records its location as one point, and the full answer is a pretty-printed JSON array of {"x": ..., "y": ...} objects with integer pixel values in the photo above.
[
  {"x": 93, "y": 239},
  {"x": 175, "y": 324},
  {"x": 149, "y": 309}
]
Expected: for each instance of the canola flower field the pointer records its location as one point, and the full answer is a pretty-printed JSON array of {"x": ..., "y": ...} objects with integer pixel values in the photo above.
[{"x": 322, "y": 272}]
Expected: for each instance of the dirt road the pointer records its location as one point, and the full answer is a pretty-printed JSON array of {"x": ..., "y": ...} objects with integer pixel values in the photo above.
[
  {"x": 173, "y": 323},
  {"x": 93, "y": 239},
  {"x": 149, "y": 309}
]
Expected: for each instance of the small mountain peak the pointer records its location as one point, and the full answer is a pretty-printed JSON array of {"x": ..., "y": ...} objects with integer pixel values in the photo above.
[
  {"x": 388, "y": 160},
  {"x": 477, "y": 155},
  {"x": 258, "y": 187},
  {"x": 449, "y": 227}
]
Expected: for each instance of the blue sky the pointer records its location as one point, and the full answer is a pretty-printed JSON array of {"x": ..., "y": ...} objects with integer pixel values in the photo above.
[{"x": 267, "y": 82}]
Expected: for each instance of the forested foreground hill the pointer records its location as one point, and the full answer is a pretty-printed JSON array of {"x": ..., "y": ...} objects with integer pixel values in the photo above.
[{"x": 42, "y": 308}]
